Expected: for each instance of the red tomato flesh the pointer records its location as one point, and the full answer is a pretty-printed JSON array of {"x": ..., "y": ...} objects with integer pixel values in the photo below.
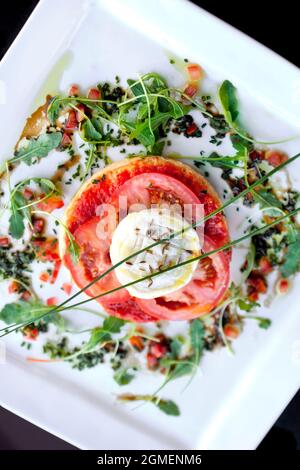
[{"x": 141, "y": 185}]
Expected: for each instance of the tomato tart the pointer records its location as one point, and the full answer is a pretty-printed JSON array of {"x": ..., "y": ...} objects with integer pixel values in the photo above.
[{"x": 145, "y": 182}]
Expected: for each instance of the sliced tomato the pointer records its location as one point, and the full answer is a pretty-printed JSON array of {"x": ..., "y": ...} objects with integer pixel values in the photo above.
[
  {"x": 154, "y": 189},
  {"x": 95, "y": 260},
  {"x": 204, "y": 292},
  {"x": 138, "y": 185}
]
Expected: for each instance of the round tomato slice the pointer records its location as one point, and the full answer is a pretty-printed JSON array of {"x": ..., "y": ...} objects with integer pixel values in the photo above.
[
  {"x": 204, "y": 292},
  {"x": 94, "y": 260},
  {"x": 151, "y": 190},
  {"x": 134, "y": 185}
]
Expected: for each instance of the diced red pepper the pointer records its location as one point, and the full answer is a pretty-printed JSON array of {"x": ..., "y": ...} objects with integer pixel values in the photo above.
[
  {"x": 52, "y": 301},
  {"x": 94, "y": 94},
  {"x": 194, "y": 71},
  {"x": 265, "y": 266},
  {"x": 275, "y": 158},
  {"x": 71, "y": 123},
  {"x": 67, "y": 288},
  {"x": 44, "y": 276},
  {"x": 73, "y": 90},
  {"x": 190, "y": 89},
  {"x": 26, "y": 295},
  {"x": 256, "y": 155},
  {"x": 257, "y": 281},
  {"x": 283, "y": 286},
  {"x": 137, "y": 342},
  {"x": 38, "y": 225},
  {"x": 159, "y": 348},
  {"x": 30, "y": 333},
  {"x": 46, "y": 249},
  {"x": 4, "y": 242},
  {"x": 231, "y": 331},
  {"x": 28, "y": 194},
  {"x": 50, "y": 204},
  {"x": 152, "y": 361},
  {"x": 66, "y": 140},
  {"x": 13, "y": 287},
  {"x": 191, "y": 129},
  {"x": 256, "y": 285},
  {"x": 57, "y": 265}
]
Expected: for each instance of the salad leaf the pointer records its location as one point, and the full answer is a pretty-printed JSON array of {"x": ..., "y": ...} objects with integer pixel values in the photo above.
[
  {"x": 38, "y": 148},
  {"x": 266, "y": 198},
  {"x": 103, "y": 334},
  {"x": 168, "y": 407},
  {"x": 247, "y": 305},
  {"x": 18, "y": 214},
  {"x": 22, "y": 311},
  {"x": 123, "y": 377},
  {"x": 55, "y": 106},
  {"x": 16, "y": 224},
  {"x": 291, "y": 264},
  {"x": 92, "y": 130},
  {"x": 229, "y": 102},
  {"x": 197, "y": 333}
]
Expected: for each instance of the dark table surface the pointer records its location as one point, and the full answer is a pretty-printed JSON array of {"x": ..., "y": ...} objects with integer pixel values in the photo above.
[{"x": 276, "y": 27}]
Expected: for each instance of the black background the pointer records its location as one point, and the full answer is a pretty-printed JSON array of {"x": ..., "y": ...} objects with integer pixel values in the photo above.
[{"x": 275, "y": 26}]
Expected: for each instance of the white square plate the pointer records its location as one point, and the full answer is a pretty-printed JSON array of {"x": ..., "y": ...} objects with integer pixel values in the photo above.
[{"x": 235, "y": 400}]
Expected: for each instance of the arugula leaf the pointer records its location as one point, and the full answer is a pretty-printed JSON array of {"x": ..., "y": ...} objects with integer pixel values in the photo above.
[
  {"x": 103, "y": 334},
  {"x": 266, "y": 199},
  {"x": 250, "y": 259},
  {"x": 291, "y": 264},
  {"x": 240, "y": 144},
  {"x": 229, "y": 102},
  {"x": 247, "y": 305},
  {"x": 123, "y": 377},
  {"x": 92, "y": 130},
  {"x": 46, "y": 185},
  {"x": 37, "y": 148},
  {"x": 153, "y": 83},
  {"x": 144, "y": 132},
  {"x": 113, "y": 324},
  {"x": 197, "y": 334},
  {"x": 223, "y": 162},
  {"x": 168, "y": 407},
  {"x": 16, "y": 220},
  {"x": 22, "y": 311},
  {"x": 18, "y": 204},
  {"x": 55, "y": 106},
  {"x": 158, "y": 147},
  {"x": 175, "y": 348},
  {"x": 16, "y": 224},
  {"x": 180, "y": 368},
  {"x": 25, "y": 311},
  {"x": 135, "y": 87},
  {"x": 264, "y": 323}
]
